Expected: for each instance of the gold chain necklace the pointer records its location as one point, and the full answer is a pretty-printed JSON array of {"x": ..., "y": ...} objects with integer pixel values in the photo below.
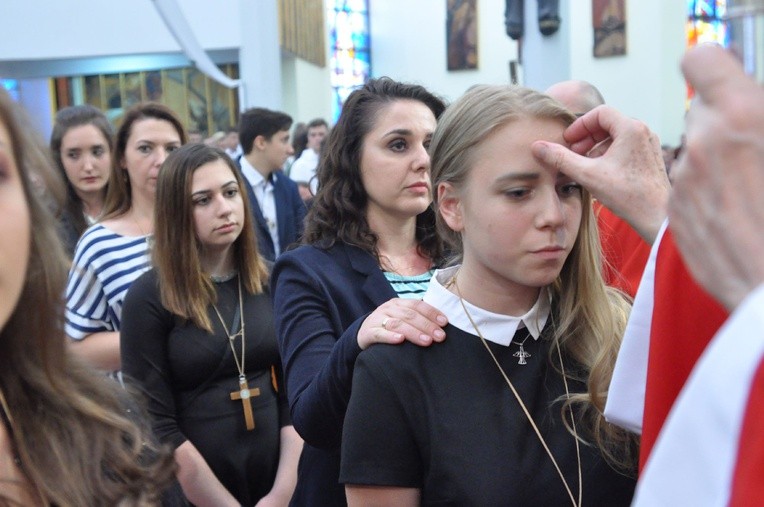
[
  {"x": 138, "y": 225},
  {"x": 244, "y": 393},
  {"x": 525, "y": 409}
]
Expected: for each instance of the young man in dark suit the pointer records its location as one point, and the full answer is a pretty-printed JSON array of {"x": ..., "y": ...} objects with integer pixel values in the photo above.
[{"x": 276, "y": 204}]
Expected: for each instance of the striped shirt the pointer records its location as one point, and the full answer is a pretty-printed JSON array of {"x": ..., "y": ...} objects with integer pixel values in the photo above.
[
  {"x": 410, "y": 287},
  {"x": 105, "y": 265}
]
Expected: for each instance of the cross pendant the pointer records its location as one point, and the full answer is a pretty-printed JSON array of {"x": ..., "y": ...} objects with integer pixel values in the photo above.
[
  {"x": 521, "y": 354},
  {"x": 244, "y": 394}
]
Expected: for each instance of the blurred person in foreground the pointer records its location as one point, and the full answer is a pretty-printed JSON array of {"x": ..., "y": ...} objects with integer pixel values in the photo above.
[{"x": 68, "y": 436}]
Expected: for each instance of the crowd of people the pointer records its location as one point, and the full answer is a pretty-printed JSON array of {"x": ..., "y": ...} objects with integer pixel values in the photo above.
[{"x": 423, "y": 304}]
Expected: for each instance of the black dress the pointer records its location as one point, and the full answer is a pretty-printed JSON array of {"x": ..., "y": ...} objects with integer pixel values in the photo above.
[
  {"x": 68, "y": 233},
  {"x": 189, "y": 374},
  {"x": 442, "y": 419}
]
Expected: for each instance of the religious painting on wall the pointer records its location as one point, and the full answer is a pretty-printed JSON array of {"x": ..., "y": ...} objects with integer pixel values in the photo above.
[
  {"x": 609, "y": 22},
  {"x": 461, "y": 34}
]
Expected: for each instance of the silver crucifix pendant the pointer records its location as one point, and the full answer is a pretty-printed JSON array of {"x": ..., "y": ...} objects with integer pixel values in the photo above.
[{"x": 521, "y": 355}]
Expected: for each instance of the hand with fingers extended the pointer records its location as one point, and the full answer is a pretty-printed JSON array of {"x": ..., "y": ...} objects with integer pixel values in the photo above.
[
  {"x": 619, "y": 160},
  {"x": 402, "y": 319},
  {"x": 716, "y": 210}
]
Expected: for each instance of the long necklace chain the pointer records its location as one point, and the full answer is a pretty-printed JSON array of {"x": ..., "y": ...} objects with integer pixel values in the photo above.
[
  {"x": 137, "y": 224},
  {"x": 231, "y": 337},
  {"x": 525, "y": 409}
]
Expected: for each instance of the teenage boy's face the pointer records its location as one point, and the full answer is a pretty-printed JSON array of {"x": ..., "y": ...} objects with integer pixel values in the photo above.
[
  {"x": 277, "y": 150},
  {"x": 316, "y": 136}
]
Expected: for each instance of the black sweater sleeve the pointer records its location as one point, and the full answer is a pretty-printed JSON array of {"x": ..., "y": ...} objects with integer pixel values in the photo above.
[{"x": 146, "y": 326}]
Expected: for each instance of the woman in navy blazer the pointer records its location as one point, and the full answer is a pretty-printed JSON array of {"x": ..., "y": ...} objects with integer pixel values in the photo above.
[{"x": 371, "y": 224}]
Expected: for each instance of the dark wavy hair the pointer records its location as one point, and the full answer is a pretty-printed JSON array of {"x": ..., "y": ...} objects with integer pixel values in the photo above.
[{"x": 338, "y": 212}]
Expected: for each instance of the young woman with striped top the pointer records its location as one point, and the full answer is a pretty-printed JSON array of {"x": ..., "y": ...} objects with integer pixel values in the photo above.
[{"x": 114, "y": 252}]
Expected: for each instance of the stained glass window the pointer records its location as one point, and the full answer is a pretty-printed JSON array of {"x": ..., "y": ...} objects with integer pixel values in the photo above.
[
  {"x": 350, "y": 59},
  {"x": 705, "y": 24}
]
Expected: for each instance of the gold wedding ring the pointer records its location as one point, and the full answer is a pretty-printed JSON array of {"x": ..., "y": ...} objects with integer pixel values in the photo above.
[{"x": 384, "y": 322}]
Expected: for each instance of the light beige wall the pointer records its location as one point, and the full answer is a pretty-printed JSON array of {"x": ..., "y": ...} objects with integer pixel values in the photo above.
[
  {"x": 646, "y": 83},
  {"x": 408, "y": 43},
  {"x": 306, "y": 90},
  {"x": 408, "y": 40}
]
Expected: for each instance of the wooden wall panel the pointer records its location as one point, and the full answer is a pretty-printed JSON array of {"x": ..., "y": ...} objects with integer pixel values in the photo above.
[{"x": 302, "y": 29}]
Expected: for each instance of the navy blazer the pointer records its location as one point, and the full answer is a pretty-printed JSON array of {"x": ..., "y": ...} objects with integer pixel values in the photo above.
[
  {"x": 290, "y": 214},
  {"x": 321, "y": 297}
]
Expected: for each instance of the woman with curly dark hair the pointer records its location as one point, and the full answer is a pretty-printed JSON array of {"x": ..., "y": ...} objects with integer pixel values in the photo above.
[
  {"x": 531, "y": 343},
  {"x": 370, "y": 251}
]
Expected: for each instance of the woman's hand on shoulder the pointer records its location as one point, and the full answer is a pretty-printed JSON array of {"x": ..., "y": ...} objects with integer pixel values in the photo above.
[{"x": 403, "y": 319}]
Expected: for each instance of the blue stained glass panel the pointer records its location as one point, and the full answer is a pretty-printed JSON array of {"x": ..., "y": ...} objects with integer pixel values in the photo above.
[
  {"x": 350, "y": 59},
  {"x": 705, "y": 8},
  {"x": 705, "y": 24}
]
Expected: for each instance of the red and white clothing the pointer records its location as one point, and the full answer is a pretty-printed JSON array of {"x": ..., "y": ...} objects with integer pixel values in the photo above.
[
  {"x": 626, "y": 397},
  {"x": 700, "y": 392},
  {"x": 624, "y": 251},
  {"x": 672, "y": 322},
  {"x": 711, "y": 448}
]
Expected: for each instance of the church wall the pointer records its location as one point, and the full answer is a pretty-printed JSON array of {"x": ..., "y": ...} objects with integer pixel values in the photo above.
[{"x": 408, "y": 43}]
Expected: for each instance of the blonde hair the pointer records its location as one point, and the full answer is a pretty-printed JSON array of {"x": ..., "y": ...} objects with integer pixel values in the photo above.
[{"x": 589, "y": 317}]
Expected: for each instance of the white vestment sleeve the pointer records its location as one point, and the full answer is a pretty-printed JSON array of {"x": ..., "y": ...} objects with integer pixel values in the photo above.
[
  {"x": 695, "y": 454},
  {"x": 626, "y": 396}
]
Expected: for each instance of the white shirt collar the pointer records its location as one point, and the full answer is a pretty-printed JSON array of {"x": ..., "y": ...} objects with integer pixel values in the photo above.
[
  {"x": 253, "y": 175},
  {"x": 495, "y": 327},
  {"x": 266, "y": 200}
]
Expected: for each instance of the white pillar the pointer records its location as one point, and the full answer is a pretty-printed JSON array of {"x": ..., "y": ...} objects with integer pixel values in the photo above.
[
  {"x": 260, "y": 54},
  {"x": 546, "y": 59}
]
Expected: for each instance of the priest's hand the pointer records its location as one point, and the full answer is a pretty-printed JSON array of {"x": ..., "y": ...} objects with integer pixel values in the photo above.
[{"x": 619, "y": 160}]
